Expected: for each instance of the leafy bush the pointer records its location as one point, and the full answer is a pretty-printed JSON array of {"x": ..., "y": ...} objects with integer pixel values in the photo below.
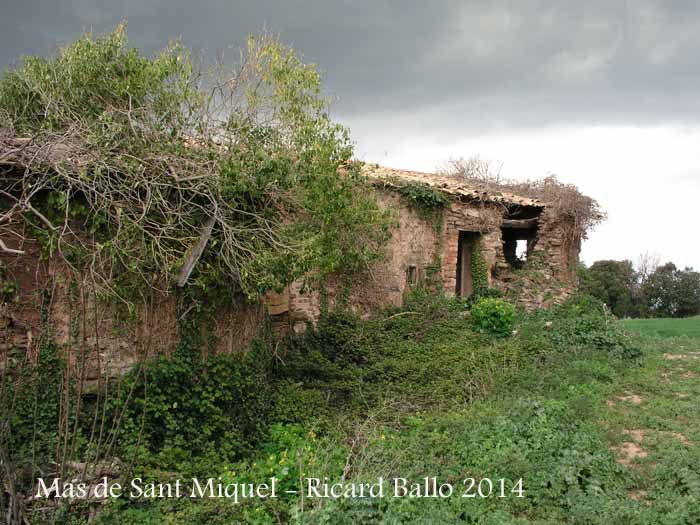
[
  {"x": 425, "y": 200},
  {"x": 494, "y": 316},
  {"x": 193, "y": 410},
  {"x": 104, "y": 119},
  {"x": 582, "y": 321},
  {"x": 426, "y": 354}
]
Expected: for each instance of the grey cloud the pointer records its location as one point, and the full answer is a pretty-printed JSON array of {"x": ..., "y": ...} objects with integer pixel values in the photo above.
[
  {"x": 470, "y": 64},
  {"x": 415, "y": 76}
]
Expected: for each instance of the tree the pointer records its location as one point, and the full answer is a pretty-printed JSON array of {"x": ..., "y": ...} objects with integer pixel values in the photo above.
[
  {"x": 126, "y": 166},
  {"x": 647, "y": 263},
  {"x": 614, "y": 283},
  {"x": 671, "y": 292}
]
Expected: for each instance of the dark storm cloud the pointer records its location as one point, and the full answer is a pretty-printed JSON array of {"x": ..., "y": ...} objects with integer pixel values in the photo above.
[{"x": 512, "y": 64}]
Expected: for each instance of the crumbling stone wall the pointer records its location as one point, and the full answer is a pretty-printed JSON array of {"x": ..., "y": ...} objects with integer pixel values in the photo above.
[
  {"x": 559, "y": 244},
  {"x": 482, "y": 218},
  {"x": 48, "y": 306},
  {"x": 425, "y": 249},
  {"x": 420, "y": 243},
  {"x": 414, "y": 243},
  {"x": 549, "y": 277}
]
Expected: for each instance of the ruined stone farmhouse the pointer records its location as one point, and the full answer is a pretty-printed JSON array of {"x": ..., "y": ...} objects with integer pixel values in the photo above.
[
  {"x": 477, "y": 239},
  {"x": 480, "y": 238}
]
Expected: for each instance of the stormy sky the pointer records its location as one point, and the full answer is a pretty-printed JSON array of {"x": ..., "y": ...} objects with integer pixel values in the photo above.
[{"x": 604, "y": 94}]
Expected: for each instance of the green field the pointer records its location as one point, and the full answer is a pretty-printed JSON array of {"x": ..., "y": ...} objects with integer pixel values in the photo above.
[
  {"x": 666, "y": 327},
  {"x": 601, "y": 428},
  {"x": 599, "y": 419}
]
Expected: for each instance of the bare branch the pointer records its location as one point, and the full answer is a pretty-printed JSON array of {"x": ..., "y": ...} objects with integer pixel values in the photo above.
[{"x": 11, "y": 251}]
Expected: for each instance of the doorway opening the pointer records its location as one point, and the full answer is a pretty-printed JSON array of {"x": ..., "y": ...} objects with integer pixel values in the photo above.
[{"x": 465, "y": 248}]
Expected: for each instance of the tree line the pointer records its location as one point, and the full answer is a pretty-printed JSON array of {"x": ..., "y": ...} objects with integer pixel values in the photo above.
[{"x": 647, "y": 289}]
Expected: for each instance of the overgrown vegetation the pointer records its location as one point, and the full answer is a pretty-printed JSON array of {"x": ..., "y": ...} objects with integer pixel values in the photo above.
[
  {"x": 494, "y": 316},
  {"x": 131, "y": 175},
  {"x": 425, "y": 200},
  {"x": 479, "y": 270},
  {"x": 353, "y": 400},
  {"x": 120, "y": 164},
  {"x": 565, "y": 200},
  {"x": 129, "y": 164}
]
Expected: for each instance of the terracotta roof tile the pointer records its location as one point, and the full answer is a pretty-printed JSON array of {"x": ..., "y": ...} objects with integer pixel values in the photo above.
[{"x": 381, "y": 175}]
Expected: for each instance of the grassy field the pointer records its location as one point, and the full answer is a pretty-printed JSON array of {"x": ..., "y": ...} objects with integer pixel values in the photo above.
[
  {"x": 653, "y": 421},
  {"x": 597, "y": 433},
  {"x": 602, "y": 428},
  {"x": 596, "y": 440},
  {"x": 667, "y": 327}
]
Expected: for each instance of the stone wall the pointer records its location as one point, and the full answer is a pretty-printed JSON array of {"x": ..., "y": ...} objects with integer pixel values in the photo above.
[
  {"x": 559, "y": 245},
  {"x": 414, "y": 243},
  {"x": 550, "y": 275},
  {"x": 421, "y": 250},
  {"x": 480, "y": 218},
  {"x": 70, "y": 316},
  {"x": 426, "y": 245}
]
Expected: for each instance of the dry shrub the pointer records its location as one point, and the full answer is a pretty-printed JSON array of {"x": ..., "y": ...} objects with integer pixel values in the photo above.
[{"x": 563, "y": 199}]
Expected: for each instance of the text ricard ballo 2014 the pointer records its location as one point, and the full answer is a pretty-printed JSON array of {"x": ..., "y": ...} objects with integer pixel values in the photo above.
[{"x": 309, "y": 488}]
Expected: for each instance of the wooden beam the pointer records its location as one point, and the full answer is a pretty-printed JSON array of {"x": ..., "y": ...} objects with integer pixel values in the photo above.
[
  {"x": 196, "y": 252},
  {"x": 520, "y": 223}
]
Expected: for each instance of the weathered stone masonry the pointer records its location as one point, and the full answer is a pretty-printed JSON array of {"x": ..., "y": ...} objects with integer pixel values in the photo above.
[
  {"x": 418, "y": 247},
  {"x": 421, "y": 252}
]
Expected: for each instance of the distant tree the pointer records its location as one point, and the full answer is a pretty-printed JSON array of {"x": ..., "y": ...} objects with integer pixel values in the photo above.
[
  {"x": 615, "y": 283},
  {"x": 688, "y": 294},
  {"x": 671, "y": 292},
  {"x": 647, "y": 263}
]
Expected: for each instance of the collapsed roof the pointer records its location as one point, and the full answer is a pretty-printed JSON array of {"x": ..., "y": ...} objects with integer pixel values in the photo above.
[{"x": 390, "y": 177}]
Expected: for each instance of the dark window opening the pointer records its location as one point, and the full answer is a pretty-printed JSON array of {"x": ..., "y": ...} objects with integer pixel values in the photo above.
[
  {"x": 518, "y": 212},
  {"x": 519, "y": 233},
  {"x": 465, "y": 283},
  {"x": 518, "y": 245}
]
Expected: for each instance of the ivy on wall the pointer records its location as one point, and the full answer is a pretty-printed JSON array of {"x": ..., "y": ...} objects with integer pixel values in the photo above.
[
  {"x": 133, "y": 165},
  {"x": 425, "y": 200},
  {"x": 479, "y": 269}
]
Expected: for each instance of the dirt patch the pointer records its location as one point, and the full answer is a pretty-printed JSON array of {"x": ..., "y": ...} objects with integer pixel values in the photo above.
[
  {"x": 628, "y": 397},
  {"x": 675, "y": 357},
  {"x": 636, "y": 434},
  {"x": 629, "y": 451},
  {"x": 632, "y": 398},
  {"x": 640, "y": 495},
  {"x": 676, "y": 435}
]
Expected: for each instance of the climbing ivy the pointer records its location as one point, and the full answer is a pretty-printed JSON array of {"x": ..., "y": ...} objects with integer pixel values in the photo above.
[
  {"x": 479, "y": 270},
  {"x": 132, "y": 157},
  {"x": 8, "y": 286},
  {"x": 428, "y": 202}
]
